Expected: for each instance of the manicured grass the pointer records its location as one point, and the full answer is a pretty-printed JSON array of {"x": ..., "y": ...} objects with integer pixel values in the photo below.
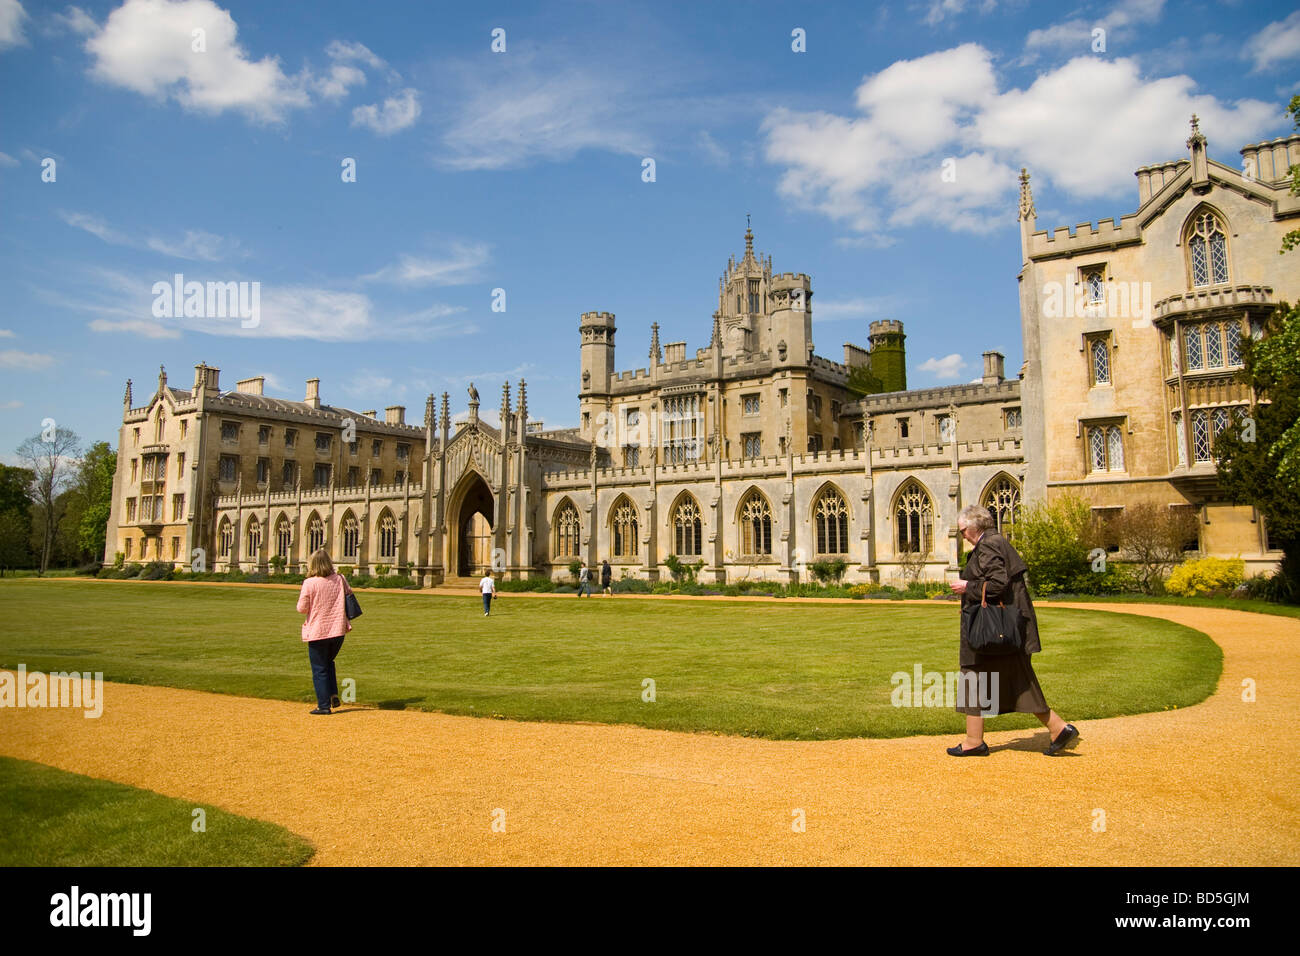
[
  {"x": 49, "y": 817},
  {"x": 1227, "y": 603},
  {"x": 774, "y": 669}
]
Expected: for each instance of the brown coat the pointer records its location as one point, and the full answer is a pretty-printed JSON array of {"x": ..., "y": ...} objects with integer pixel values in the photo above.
[{"x": 995, "y": 562}]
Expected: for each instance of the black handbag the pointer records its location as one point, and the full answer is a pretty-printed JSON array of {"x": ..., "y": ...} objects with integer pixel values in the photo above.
[
  {"x": 350, "y": 606},
  {"x": 992, "y": 628}
]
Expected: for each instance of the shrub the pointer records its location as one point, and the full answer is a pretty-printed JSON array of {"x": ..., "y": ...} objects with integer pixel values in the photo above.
[
  {"x": 630, "y": 586},
  {"x": 345, "y": 570},
  {"x": 257, "y": 577},
  {"x": 119, "y": 559},
  {"x": 1205, "y": 575},
  {"x": 381, "y": 570},
  {"x": 89, "y": 570},
  {"x": 575, "y": 567},
  {"x": 1153, "y": 538},
  {"x": 1055, "y": 539},
  {"x": 829, "y": 572},
  {"x": 1275, "y": 587},
  {"x": 542, "y": 584},
  {"x": 132, "y": 570},
  {"x": 277, "y": 564},
  {"x": 156, "y": 571},
  {"x": 683, "y": 572}
]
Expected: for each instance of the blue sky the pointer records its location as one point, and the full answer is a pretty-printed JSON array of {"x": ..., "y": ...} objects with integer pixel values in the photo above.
[{"x": 523, "y": 170}]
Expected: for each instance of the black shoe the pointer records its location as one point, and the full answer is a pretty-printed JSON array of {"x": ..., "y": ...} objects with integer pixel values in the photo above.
[
  {"x": 1068, "y": 737},
  {"x": 981, "y": 751},
  {"x": 319, "y": 710},
  {"x": 335, "y": 702}
]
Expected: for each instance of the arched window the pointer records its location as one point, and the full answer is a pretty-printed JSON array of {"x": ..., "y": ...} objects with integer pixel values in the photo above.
[
  {"x": 755, "y": 524},
  {"x": 686, "y": 527},
  {"x": 160, "y": 427},
  {"x": 315, "y": 533},
  {"x": 568, "y": 528},
  {"x": 350, "y": 531},
  {"x": 253, "y": 540},
  {"x": 623, "y": 525},
  {"x": 1105, "y": 448},
  {"x": 283, "y": 537},
  {"x": 387, "y": 536},
  {"x": 1207, "y": 249},
  {"x": 1100, "y": 362},
  {"x": 1180, "y": 437},
  {"x": 831, "y": 515},
  {"x": 1003, "y": 501},
  {"x": 914, "y": 515},
  {"x": 225, "y": 538}
]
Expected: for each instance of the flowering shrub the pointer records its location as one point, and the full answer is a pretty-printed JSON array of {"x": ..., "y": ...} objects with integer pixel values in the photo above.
[{"x": 1205, "y": 575}]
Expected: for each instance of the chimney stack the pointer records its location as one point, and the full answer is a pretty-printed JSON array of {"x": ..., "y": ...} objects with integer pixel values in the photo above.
[
  {"x": 313, "y": 392},
  {"x": 395, "y": 415},
  {"x": 993, "y": 368},
  {"x": 251, "y": 386}
]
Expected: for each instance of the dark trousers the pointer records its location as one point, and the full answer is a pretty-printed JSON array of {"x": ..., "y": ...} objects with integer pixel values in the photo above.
[
  {"x": 487, "y": 603},
  {"x": 322, "y": 654}
]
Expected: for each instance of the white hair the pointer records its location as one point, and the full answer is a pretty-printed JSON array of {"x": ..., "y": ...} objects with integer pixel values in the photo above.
[{"x": 974, "y": 516}]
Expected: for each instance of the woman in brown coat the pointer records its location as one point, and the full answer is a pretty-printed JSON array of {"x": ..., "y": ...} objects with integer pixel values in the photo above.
[{"x": 996, "y": 568}]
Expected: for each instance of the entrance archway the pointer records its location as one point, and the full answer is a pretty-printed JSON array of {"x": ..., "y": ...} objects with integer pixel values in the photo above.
[{"x": 472, "y": 541}]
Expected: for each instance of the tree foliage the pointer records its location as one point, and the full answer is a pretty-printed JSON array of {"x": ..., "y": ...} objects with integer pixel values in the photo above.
[{"x": 53, "y": 458}]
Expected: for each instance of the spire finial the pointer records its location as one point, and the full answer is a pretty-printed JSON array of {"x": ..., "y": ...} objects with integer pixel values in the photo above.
[
  {"x": 716, "y": 340},
  {"x": 656, "y": 354},
  {"x": 749, "y": 239},
  {"x": 1197, "y": 138},
  {"x": 1027, "y": 210},
  {"x": 523, "y": 399},
  {"x": 126, "y": 399}
]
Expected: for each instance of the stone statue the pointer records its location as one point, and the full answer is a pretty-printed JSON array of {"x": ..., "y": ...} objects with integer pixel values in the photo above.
[{"x": 473, "y": 394}]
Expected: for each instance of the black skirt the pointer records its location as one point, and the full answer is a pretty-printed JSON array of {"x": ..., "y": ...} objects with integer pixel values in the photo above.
[{"x": 1007, "y": 682}]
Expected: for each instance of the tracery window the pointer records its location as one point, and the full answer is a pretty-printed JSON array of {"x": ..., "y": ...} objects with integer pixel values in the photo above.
[
  {"x": 831, "y": 516},
  {"x": 351, "y": 534},
  {"x": 623, "y": 522},
  {"x": 755, "y": 524},
  {"x": 567, "y": 536},
  {"x": 283, "y": 537},
  {"x": 686, "y": 527},
  {"x": 225, "y": 538},
  {"x": 914, "y": 517},
  {"x": 388, "y": 536},
  {"x": 1003, "y": 502},
  {"x": 1105, "y": 448},
  {"x": 253, "y": 540},
  {"x": 315, "y": 534},
  {"x": 1207, "y": 246},
  {"x": 1213, "y": 345},
  {"x": 1100, "y": 354},
  {"x": 682, "y": 427}
]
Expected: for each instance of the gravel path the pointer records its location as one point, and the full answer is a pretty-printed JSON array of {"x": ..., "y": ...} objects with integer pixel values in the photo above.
[{"x": 1213, "y": 784}]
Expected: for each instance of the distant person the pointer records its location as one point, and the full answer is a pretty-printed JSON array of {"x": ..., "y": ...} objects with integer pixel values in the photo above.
[
  {"x": 606, "y": 578},
  {"x": 584, "y": 580},
  {"x": 489, "y": 587},
  {"x": 322, "y": 600},
  {"x": 994, "y": 563}
]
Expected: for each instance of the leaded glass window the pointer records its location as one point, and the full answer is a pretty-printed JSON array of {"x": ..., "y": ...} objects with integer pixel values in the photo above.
[
  {"x": 1115, "y": 448},
  {"x": 1201, "y": 435},
  {"x": 1232, "y": 335},
  {"x": 687, "y": 527},
  {"x": 1174, "y": 366},
  {"x": 832, "y": 517},
  {"x": 1003, "y": 502},
  {"x": 755, "y": 525},
  {"x": 1220, "y": 418},
  {"x": 681, "y": 425},
  {"x": 315, "y": 534},
  {"x": 1097, "y": 448},
  {"x": 1207, "y": 246},
  {"x": 1180, "y": 438},
  {"x": 567, "y": 528},
  {"x": 1195, "y": 360},
  {"x": 1095, "y": 286},
  {"x": 1213, "y": 346},
  {"x": 225, "y": 538},
  {"x": 1100, "y": 362},
  {"x": 624, "y": 526},
  {"x": 753, "y": 445},
  {"x": 914, "y": 516},
  {"x": 388, "y": 536},
  {"x": 253, "y": 540},
  {"x": 351, "y": 534},
  {"x": 283, "y": 537}
]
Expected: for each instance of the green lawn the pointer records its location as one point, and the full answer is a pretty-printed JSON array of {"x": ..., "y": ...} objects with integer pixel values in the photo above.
[
  {"x": 773, "y": 669},
  {"x": 52, "y": 818}
]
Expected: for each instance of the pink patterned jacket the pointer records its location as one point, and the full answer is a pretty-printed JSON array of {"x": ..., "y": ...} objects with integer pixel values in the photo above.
[{"x": 322, "y": 601}]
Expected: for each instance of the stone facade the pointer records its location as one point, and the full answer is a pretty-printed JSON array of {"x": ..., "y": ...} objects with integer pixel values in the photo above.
[
  {"x": 754, "y": 457},
  {"x": 1133, "y": 330}
]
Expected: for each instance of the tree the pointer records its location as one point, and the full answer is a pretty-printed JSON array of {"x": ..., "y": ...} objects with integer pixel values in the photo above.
[
  {"x": 1292, "y": 238},
  {"x": 1058, "y": 539},
  {"x": 53, "y": 458},
  {"x": 15, "y": 517},
  {"x": 1258, "y": 461},
  {"x": 1153, "y": 537},
  {"x": 94, "y": 492}
]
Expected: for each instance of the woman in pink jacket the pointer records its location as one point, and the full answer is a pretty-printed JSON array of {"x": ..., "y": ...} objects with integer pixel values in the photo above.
[{"x": 322, "y": 600}]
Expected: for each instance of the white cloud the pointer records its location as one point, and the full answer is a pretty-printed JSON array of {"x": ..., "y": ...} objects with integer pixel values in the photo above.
[
  {"x": 1276, "y": 43},
  {"x": 7, "y": 334},
  {"x": 95, "y": 226},
  {"x": 518, "y": 113},
  {"x": 75, "y": 20},
  {"x": 12, "y": 16},
  {"x": 203, "y": 246},
  {"x": 1075, "y": 36},
  {"x": 339, "y": 80},
  {"x": 885, "y": 168},
  {"x": 7, "y": 160},
  {"x": 148, "y": 46},
  {"x": 338, "y": 50},
  {"x": 861, "y": 307},
  {"x": 397, "y": 113},
  {"x": 28, "y": 361},
  {"x": 711, "y": 149},
  {"x": 460, "y": 264},
  {"x": 948, "y": 367},
  {"x": 148, "y": 328},
  {"x": 11, "y": 404},
  {"x": 938, "y": 10},
  {"x": 368, "y": 382}
]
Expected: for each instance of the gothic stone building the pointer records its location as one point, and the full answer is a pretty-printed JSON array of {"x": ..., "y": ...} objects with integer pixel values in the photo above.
[
  {"x": 1133, "y": 336},
  {"x": 754, "y": 457}
]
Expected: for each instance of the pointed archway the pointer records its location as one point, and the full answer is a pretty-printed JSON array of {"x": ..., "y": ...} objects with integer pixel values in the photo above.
[{"x": 471, "y": 524}]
